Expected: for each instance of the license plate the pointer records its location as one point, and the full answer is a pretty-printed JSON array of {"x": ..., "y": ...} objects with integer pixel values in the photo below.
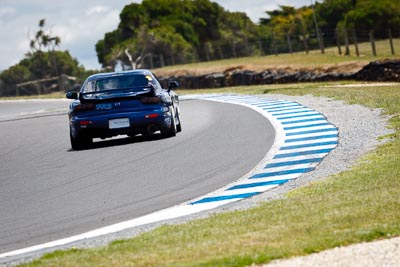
[{"x": 118, "y": 123}]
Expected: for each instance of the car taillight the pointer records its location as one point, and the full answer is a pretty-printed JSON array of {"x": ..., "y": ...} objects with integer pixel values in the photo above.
[
  {"x": 84, "y": 107},
  {"x": 85, "y": 122},
  {"x": 151, "y": 116},
  {"x": 150, "y": 100}
]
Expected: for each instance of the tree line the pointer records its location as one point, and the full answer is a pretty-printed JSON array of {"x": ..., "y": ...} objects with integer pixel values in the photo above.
[{"x": 156, "y": 33}]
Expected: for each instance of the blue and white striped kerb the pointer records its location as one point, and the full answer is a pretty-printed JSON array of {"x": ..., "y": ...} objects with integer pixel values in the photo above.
[{"x": 303, "y": 138}]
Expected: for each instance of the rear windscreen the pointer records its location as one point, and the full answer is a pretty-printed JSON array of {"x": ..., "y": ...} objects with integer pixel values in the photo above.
[{"x": 117, "y": 82}]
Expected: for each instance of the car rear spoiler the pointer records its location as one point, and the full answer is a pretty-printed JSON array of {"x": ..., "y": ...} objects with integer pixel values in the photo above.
[{"x": 115, "y": 93}]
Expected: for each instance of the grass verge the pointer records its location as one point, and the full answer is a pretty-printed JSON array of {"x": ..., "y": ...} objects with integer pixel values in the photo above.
[{"x": 358, "y": 205}]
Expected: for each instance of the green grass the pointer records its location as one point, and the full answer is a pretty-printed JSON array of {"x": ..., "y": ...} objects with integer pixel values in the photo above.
[{"x": 358, "y": 205}]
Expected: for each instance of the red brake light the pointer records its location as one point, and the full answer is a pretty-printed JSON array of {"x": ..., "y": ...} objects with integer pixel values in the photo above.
[
  {"x": 151, "y": 116},
  {"x": 85, "y": 122}
]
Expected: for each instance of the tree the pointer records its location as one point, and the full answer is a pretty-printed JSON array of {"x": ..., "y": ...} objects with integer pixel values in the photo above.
[
  {"x": 105, "y": 47},
  {"x": 43, "y": 39},
  {"x": 374, "y": 15},
  {"x": 238, "y": 36},
  {"x": 11, "y": 77},
  {"x": 331, "y": 12},
  {"x": 131, "y": 17},
  {"x": 288, "y": 24},
  {"x": 174, "y": 31}
]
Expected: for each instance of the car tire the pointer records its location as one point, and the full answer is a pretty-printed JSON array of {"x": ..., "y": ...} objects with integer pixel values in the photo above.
[
  {"x": 178, "y": 120},
  {"x": 80, "y": 142},
  {"x": 172, "y": 130}
]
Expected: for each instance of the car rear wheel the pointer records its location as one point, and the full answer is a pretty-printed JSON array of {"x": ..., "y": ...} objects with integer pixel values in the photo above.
[
  {"x": 178, "y": 120},
  {"x": 171, "y": 131},
  {"x": 80, "y": 142}
]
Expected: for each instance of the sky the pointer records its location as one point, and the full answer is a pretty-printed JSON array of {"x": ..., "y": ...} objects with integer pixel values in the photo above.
[{"x": 82, "y": 23}]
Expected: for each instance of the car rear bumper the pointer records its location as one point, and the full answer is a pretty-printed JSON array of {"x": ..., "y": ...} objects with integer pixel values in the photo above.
[{"x": 100, "y": 127}]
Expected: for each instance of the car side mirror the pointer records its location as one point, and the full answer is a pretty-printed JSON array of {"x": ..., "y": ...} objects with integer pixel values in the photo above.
[
  {"x": 172, "y": 85},
  {"x": 72, "y": 95}
]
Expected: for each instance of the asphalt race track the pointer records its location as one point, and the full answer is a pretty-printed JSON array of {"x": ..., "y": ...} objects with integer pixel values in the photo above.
[{"x": 48, "y": 192}]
